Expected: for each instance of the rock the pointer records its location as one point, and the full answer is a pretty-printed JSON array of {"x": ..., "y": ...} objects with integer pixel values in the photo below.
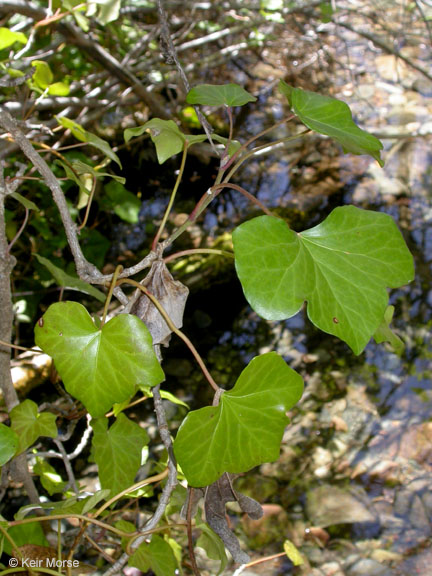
[
  {"x": 368, "y": 567},
  {"x": 330, "y": 505}
]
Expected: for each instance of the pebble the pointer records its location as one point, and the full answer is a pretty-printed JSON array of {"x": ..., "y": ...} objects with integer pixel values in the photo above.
[{"x": 368, "y": 567}]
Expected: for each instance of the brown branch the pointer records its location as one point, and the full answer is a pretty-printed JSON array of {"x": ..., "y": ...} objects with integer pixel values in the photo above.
[
  {"x": 89, "y": 45},
  {"x": 19, "y": 465},
  {"x": 85, "y": 269}
]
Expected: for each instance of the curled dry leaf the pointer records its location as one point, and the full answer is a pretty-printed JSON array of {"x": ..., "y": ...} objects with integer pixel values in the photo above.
[
  {"x": 216, "y": 496},
  {"x": 171, "y": 293}
]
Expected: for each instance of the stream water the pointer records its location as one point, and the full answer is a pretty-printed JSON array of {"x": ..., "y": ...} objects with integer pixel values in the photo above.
[{"x": 353, "y": 486}]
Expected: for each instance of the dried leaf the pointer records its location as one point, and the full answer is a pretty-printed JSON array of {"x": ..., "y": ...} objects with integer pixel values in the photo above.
[
  {"x": 216, "y": 496},
  {"x": 171, "y": 293}
]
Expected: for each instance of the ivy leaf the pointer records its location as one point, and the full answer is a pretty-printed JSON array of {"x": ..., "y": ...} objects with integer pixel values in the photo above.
[
  {"x": 24, "y": 201},
  {"x": 246, "y": 428},
  {"x": 340, "y": 267},
  {"x": 68, "y": 281},
  {"x": 117, "y": 451},
  {"x": 84, "y": 136},
  {"x": 219, "y": 95},
  {"x": 83, "y": 168},
  {"x": 59, "y": 89},
  {"x": 43, "y": 75},
  {"x": 385, "y": 334},
  {"x": 23, "y": 534},
  {"x": 292, "y": 553},
  {"x": 28, "y": 424},
  {"x": 9, "y": 37},
  {"x": 49, "y": 477},
  {"x": 157, "y": 555},
  {"x": 98, "y": 366},
  {"x": 165, "y": 135},
  {"x": 332, "y": 118},
  {"x": 169, "y": 140},
  {"x": 125, "y": 204},
  {"x": 213, "y": 546},
  {"x": 9, "y": 441}
]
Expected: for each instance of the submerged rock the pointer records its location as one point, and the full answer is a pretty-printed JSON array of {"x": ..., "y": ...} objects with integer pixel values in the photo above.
[{"x": 330, "y": 505}]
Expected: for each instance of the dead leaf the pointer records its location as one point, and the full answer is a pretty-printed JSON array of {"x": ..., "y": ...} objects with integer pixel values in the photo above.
[{"x": 171, "y": 293}]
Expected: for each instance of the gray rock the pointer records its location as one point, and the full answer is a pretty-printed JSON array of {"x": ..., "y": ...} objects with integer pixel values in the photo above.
[{"x": 368, "y": 567}]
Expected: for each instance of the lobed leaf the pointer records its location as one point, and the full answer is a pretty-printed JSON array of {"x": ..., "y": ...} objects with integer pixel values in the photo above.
[
  {"x": 219, "y": 95},
  {"x": 157, "y": 555},
  {"x": 98, "y": 366},
  {"x": 117, "y": 451},
  {"x": 169, "y": 140},
  {"x": 333, "y": 118},
  {"x": 246, "y": 428},
  {"x": 341, "y": 267},
  {"x": 9, "y": 441},
  {"x": 29, "y": 424}
]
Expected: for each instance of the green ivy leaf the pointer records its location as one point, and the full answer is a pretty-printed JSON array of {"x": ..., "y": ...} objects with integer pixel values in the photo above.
[
  {"x": 28, "y": 424},
  {"x": 59, "y": 89},
  {"x": 84, "y": 136},
  {"x": 125, "y": 204},
  {"x": 117, "y": 451},
  {"x": 43, "y": 75},
  {"x": 68, "y": 281},
  {"x": 213, "y": 546},
  {"x": 385, "y": 334},
  {"x": 82, "y": 168},
  {"x": 25, "y": 534},
  {"x": 98, "y": 366},
  {"x": 169, "y": 140},
  {"x": 219, "y": 95},
  {"x": 49, "y": 477},
  {"x": 246, "y": 428},
  {"x": 340, "y": 267},
  {"x": 157, "y": 555},
  {"x": 24, "y": 201},
  {"x": 9, "y": 37},
  {"x": 165, "y": 135},
  {"x": 332, "y": 118},
  {"x": 9, "y": 441}
]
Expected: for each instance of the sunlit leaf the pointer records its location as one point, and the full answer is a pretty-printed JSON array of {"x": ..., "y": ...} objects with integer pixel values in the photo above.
[
  {"x": 246, "y": 429},
  {"x": 68, "y": 281},
  {"x": 49, "y": 477},
  {"x": 219, "y": 95},
  {"x": 157, "y": 555},
  {"x": 43, "y": 76},
  {"x": 9, "y": 442},
  {"x": 107, "y": 10},
  {"x": 59, "y": 89},
  {"x": 117, "y": 451},
  {"x": 341, "y": 267},
  {"x": 292, "y": 553},
  {"x": 98, "y": 366},
  {"x": 9, "y": 37},
  {"x": 84, "y": 136},
  {"x": 333, "y": 118},
  {"x": 29, "y": 424}
]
